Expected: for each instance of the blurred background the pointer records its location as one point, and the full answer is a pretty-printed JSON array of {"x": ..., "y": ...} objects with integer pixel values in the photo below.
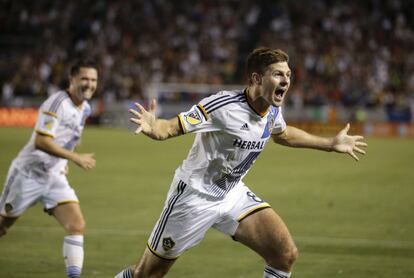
[{"x": 351, "y": 60}]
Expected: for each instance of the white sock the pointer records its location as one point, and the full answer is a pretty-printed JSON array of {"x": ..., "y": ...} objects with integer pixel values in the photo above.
[
  {"x": 270, "y": 272},
  {"x": 126, "y": 273},
  {"x": 73, "y": 255}
]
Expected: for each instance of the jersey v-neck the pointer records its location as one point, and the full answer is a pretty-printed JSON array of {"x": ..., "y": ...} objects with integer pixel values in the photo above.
[{"x": 262, "y": 115}]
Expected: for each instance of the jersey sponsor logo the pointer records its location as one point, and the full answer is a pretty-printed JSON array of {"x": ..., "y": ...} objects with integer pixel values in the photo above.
[
  {"x": 167, "y": 243},
  {"x": 249, "y": 145},
  {"x": 193, "y": 118}
]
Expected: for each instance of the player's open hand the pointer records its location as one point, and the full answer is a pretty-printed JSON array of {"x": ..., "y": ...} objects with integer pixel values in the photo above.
[
  {"x": 344, "y": 143},
  {"x": 143, "y": 118},
  {"x": 85, "y": 161}
]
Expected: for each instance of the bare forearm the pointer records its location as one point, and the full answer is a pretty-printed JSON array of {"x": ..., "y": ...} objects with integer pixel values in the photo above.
[
  {"x": 48, "y": 146},
  {"x": 294, "y": 137},
  {"x": 164, "y": 129}
]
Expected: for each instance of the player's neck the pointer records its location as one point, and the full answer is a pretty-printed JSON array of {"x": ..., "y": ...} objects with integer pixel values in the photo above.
[
  {"x": 254, "y": 99},
  {"x": 77, "y": 102}
]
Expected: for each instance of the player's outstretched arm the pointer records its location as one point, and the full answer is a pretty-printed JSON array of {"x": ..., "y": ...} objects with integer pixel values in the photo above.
[
  {"x": 46, "y": 144},
  {"x": 157, "y": 129},
  {"x": 341, "y": 143}
]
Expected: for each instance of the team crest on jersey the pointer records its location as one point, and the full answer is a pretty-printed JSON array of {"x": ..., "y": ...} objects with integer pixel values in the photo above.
[
  {"x": 271, "y": 124},
  {"x": 193, "y": 118},
  {"x": 167, "y": 243},
  {"x": 8, "y": 207},
  {"x": 268, "y": 128}
]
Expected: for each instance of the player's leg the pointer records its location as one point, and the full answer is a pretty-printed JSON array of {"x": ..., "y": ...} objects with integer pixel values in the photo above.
[
  {"x": 182, "y": 224},
  {"x": 19, "y": 193},
  {"x": 70, "y": 216},
  {"x": 6, "y": 223},
  {"x": 266, "y": 233},
  {"x": 149, "y": 265}
]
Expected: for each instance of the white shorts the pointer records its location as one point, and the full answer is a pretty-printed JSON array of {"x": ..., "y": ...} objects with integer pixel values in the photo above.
[
  {"x": 22, "y": 191},
  {"x": 187, "y": 215}
]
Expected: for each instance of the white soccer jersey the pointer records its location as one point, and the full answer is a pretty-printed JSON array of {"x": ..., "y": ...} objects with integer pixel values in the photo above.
[
  {"x": 60, "y": 119},
  {"x": 230, "y": 136}
]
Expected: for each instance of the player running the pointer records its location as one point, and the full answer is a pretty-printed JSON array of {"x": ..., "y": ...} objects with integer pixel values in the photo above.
[
  {"x": 232, "y": 129},
  {"x": 38, "y": 173}
]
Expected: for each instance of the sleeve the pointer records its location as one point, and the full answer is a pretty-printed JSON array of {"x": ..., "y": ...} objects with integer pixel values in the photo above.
[
  {"x": 197, "y": 119},
  {"x": 48, "y": 121},
  {"x": 279, "y": 124}
]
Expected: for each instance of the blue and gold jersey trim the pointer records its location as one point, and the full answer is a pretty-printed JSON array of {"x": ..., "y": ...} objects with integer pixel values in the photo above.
[
  {"x": 44, "y": 133},
  {"x": 50, "y": 114},
  {"x": 180, "y": 120},
  {"x": 203, "y": 110},
  {"x": 251, "y": 106},
  {"x": 160, "y": 256},
  {"x": 253, "y": 210}
]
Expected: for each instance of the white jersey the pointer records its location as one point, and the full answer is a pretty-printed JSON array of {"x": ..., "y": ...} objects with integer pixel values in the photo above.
[
  {"x": 60, "y": 119},
  {"x": 230, "y": 136}
]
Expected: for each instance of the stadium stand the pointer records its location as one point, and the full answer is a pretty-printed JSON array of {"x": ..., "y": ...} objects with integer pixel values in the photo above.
[{"x": 354, "y": 55}]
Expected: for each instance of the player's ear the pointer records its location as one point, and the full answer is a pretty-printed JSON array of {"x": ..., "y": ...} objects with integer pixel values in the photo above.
[{"x": 256, "y": 78}]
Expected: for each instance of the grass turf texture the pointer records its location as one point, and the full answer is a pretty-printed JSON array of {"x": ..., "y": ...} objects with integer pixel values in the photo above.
[{"x": 349, "y": 219}]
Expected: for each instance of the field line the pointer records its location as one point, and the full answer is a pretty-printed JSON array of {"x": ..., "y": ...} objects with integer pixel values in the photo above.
[{"x": 311, "y": 240}]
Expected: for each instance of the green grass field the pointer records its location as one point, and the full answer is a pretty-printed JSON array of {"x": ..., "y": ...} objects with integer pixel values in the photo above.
[{"x": 349, "y": 219}]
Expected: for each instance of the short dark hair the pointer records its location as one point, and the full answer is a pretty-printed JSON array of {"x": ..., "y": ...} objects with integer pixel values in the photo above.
[
  {"x": 82, "y": 63},
  {"x": 260, "y": 58}
]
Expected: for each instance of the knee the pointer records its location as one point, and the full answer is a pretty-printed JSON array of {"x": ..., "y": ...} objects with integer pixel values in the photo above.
[
  {"x": 291, "y": 255},
  {"x": 285, "y": 258},
  {"x": 77, "y": 227}
]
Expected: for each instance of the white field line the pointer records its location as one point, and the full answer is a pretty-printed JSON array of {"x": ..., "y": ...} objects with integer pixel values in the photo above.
[{"x": 311, "y": 240}]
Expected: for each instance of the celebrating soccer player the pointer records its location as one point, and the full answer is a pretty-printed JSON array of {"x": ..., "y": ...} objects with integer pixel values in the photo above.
[
  {"x": 38, "y": 173},
  {"x": 232, "y": 129}
]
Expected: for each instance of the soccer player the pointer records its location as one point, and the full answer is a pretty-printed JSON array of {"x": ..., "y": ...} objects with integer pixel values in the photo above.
[
  {"x": 38, "y": 173},
  {"x": 232, "y": 128}
]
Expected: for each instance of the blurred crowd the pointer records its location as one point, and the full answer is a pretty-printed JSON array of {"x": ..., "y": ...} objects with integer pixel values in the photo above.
[{"x": 342, "y": 53}]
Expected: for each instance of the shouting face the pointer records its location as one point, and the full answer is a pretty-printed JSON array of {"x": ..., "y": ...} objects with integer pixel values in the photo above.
[{"x": 275, "y": 83}]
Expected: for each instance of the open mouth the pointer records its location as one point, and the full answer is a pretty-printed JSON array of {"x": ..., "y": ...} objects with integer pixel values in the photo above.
[{"x": 279, "y": 93}]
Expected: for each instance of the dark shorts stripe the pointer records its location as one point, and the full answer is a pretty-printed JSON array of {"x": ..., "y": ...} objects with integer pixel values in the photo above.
[
  {"x": 165, "y": 214},
  {"x": 7, "y": 186}
]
